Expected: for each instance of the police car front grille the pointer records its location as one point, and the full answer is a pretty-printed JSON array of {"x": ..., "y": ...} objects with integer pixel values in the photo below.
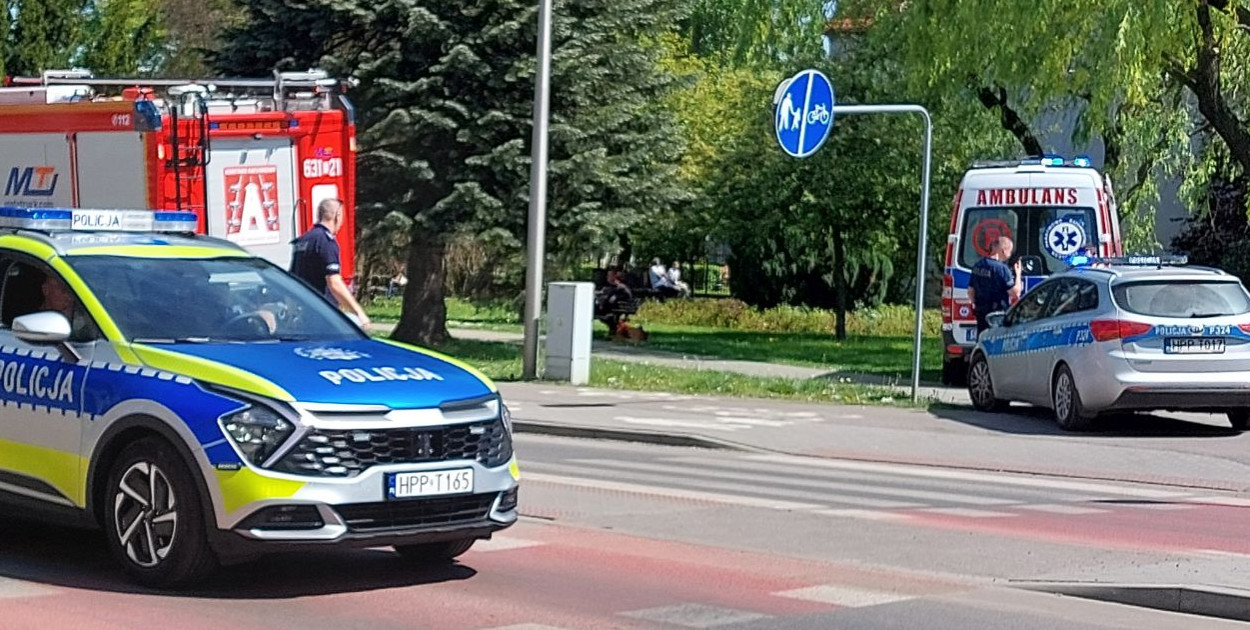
[
  {"x": 415, "y": 513},
  {"x": 347, "y": 453}
]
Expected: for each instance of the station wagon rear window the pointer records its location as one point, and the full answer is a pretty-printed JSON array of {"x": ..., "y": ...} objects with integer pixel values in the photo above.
[{"x": 1180, "y": 298}]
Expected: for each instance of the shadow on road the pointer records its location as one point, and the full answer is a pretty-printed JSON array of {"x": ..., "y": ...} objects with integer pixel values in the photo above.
[
  {"x": 1026, "y": 420},
  {"x": 72, "y": 558}
]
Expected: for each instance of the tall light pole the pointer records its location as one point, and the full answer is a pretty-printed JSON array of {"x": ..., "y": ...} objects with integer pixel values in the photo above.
[{"x": 536, "y": 233}]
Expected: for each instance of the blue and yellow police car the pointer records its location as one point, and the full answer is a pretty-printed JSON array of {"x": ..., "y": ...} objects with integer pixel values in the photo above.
[{"x": 201, "y": 405}]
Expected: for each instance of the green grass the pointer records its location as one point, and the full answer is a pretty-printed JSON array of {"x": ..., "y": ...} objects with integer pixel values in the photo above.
[
  {"x": 460, "y": 314},
  {"x": 881, "y": 356},
  {"x": 501, "y": 361}
]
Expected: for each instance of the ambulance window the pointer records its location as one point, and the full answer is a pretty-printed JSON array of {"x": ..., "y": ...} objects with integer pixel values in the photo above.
[
  {"x": 981, "y": 227},
  {"x": 1044, "y": 236}
]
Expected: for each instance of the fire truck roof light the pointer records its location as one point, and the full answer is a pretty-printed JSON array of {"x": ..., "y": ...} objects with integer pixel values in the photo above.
[{"x": 58, "y": 219}]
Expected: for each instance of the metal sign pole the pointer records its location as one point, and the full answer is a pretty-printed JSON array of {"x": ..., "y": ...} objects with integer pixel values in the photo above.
[
  {"x": 537, "y": 232},
  {"x": 922, "y": 245}
]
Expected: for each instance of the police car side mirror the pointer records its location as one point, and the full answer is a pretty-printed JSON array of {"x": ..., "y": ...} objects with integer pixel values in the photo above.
[
  {"x": 996, "y": 319},
  {"x": 44, "y": 327}
]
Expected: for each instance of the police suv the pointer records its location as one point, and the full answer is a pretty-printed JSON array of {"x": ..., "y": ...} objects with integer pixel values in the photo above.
[
  {"x": 1129, "y": 333},
  {"x": 202, "y": 405}
]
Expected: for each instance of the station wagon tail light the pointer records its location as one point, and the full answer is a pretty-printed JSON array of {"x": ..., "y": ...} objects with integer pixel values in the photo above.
[{"x": 1109, "y": 329}]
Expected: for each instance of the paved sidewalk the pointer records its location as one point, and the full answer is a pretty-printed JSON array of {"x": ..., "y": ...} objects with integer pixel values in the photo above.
[{"x": 641, "y": 354}]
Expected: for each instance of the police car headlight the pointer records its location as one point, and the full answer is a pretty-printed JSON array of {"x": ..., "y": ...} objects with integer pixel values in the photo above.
[
  {"x": 257, "y": 431},
  {"x": 506, "y": 416}
]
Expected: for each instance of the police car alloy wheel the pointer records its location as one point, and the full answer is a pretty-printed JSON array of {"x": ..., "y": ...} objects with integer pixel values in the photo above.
[
  {"x": 1069, "y": 412},
  {"x": 153, "y": 518},
  {"x": 981, "y": 386},
  {"x": 435, "y": 552}
]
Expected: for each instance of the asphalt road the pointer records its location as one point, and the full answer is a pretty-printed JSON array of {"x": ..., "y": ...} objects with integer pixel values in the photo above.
[{"x": 647, "y": 537}]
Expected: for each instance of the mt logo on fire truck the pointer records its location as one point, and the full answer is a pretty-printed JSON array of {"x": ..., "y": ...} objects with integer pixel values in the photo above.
[{"x": 31, "y": 181}]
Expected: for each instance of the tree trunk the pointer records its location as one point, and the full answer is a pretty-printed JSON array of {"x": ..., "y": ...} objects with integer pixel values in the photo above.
[
  {"x": 423, "y": 320},
  {"x": 839, "y": 282},
  {"x": 996, "y": 98}
]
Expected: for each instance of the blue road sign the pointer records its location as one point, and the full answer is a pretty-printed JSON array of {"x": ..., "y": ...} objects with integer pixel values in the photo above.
[{"x": 804, "y": 113}]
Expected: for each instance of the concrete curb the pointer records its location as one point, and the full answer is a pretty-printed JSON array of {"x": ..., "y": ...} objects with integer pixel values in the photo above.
[
  {"x": 625, "y": 435},
  {"x": 1207, "y": 601}
]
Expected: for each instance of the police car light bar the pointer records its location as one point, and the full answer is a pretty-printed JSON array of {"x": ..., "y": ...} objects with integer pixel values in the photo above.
[
  {"x": 60, "y": 219},
  {"x": 1139, "y": 260}
]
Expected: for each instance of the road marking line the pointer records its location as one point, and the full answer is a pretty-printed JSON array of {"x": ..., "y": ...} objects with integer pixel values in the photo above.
[
  {"x": 923, "y": 471},
  {"x": 527, "y": 626},
  {"x": 700, "y": 476},
  {"x": 755, "y": 422},
  {"x": 1061, "y": 509},
  {"x": 844, "y": 596},
  {"x": 680, "y": 424},
  {"x": 710, "y": 497},
  {"x": 866, "y": 479},
  {"x": 1155, "y": 506},
  {"x": 505, "y": 543},
  {"x": 13, "y": 588},
  {"x": 647, "y": 476},
  {"x": 1228, "y": 501},
  {"x": 965, "y": 512},
  {"x": 695, "y": 615},
  {"x": 925, "y": 495},
  {"x": 867, "y": 515}
]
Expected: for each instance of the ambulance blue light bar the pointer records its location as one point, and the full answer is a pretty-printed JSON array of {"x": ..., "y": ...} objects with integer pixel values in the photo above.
[
  {"x": 1052, "y": 160},
  {"x": 1082, "y": 161},
  {"x": 87, "y": 219}
]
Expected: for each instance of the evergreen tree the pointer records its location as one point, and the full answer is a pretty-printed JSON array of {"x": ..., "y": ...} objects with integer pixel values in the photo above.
[{"x": 444, "y": 102}]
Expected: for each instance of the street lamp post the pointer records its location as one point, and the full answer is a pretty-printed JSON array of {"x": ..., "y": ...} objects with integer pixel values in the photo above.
[{"x": 537, "y": 228}]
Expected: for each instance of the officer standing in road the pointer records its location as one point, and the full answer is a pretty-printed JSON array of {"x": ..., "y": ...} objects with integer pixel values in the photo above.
[
  {"x": 993, "y": 284},
  {"x": 315, "y": 259}
]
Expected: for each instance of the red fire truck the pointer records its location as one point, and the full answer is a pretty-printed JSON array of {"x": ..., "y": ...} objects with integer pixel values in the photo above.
[{"x": 251, "y": 157}]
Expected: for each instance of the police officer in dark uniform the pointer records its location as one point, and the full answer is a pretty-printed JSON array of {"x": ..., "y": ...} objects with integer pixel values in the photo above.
[
  {"x": 315, "y": 259},
  {"x": 993, "y": 284}
]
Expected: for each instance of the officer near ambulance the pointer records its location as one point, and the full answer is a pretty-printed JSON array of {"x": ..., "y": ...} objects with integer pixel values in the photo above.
[
  {"x": 993, "y": 284},
  {"x": 315, "y": 259}
]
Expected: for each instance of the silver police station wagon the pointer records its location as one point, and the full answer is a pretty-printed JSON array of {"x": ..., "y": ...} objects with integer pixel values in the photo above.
[{"x": 1135, "y": 333}]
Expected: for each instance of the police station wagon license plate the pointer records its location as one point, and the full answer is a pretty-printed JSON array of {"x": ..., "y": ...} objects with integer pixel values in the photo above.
[
  {"x": 1193, "y": 345},
  {"x": 432, "y": 483}
]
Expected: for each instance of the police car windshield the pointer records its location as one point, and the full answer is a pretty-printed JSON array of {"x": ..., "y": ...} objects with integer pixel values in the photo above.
[
  {"x": 209, "y": 301},
  {"x": 1173, "y": 298}
]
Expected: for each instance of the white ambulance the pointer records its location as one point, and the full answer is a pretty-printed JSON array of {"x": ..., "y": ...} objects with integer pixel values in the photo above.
[{"x": 1050, "y": 207}]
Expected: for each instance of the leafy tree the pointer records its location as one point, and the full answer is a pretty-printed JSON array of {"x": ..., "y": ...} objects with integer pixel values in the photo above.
[
  {"x": 108, "y": 36},
  {"x": 43, "y": 35},
  {"x": 1153, "y": 78},
  {"x": 445, "y": 115}
]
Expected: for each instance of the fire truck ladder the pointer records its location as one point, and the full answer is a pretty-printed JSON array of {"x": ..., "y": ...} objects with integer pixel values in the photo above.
[{"x": 190, "y": 154}]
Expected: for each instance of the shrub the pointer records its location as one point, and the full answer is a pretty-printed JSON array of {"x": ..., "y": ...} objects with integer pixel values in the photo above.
[{"x": 890, "y": 320}]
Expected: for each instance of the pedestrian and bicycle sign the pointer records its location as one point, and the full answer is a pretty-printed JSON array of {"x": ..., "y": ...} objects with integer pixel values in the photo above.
[{"x": 804, "y": 113}]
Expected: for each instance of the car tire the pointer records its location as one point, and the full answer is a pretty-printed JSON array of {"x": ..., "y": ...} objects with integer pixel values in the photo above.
[
  {"x": 1065, "y": 400},
  {"x": 153, "y": 517},
  {"x": 955, "y": 372},
  {"x": 435, "y": 553},
  {"x": 981, "y": 386},
  {"x": 1240, "y": 419}
]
